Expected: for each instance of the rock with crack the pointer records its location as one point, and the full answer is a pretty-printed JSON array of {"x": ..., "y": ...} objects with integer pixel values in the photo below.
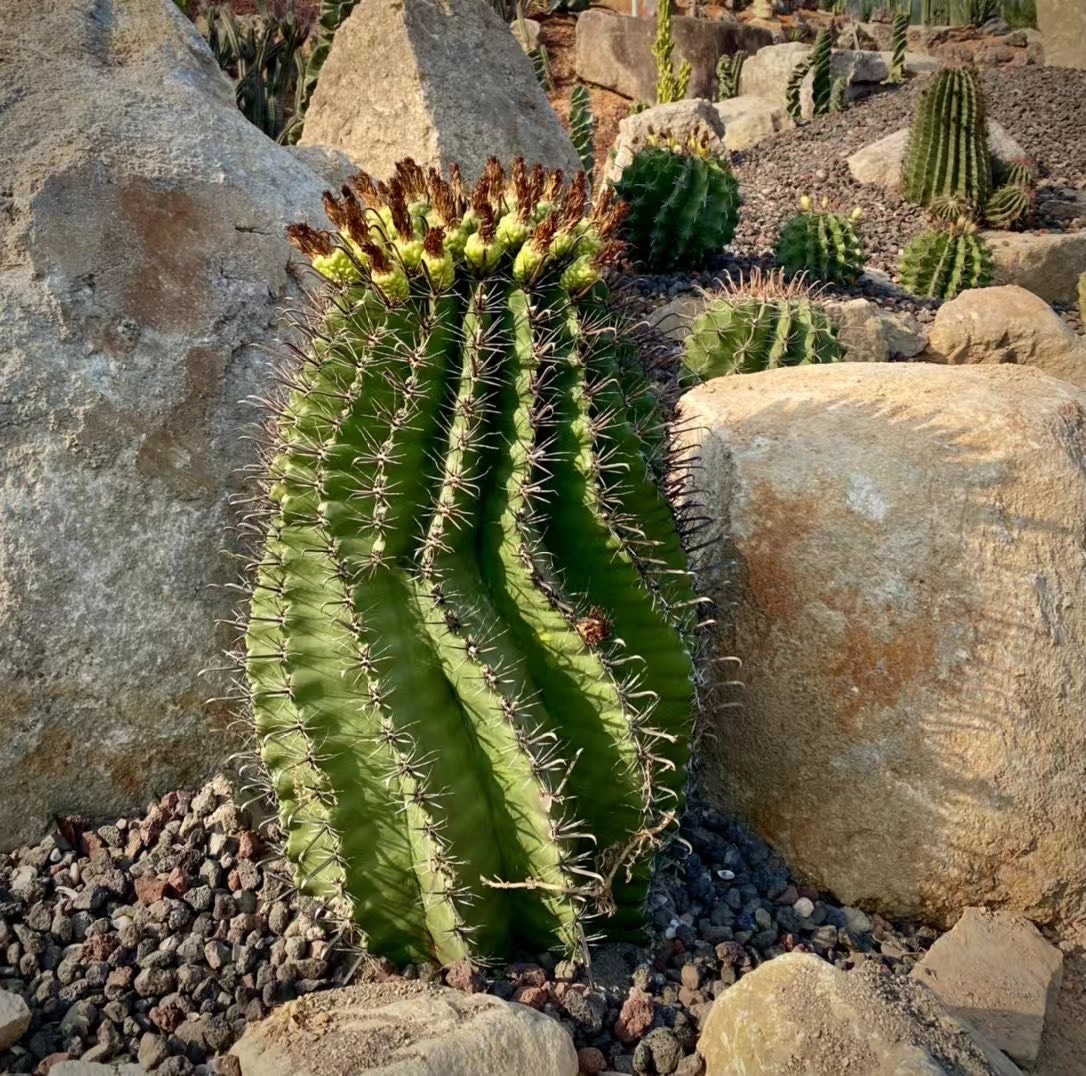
[
  {"x": 142, "y": 259},
  {"x": 407, "y": 1029},
  {"x": 868, "y": 333},
  {"x": 901, "y": 546}
]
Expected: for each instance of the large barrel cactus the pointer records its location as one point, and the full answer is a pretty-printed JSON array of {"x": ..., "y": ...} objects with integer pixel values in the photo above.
[
  {"x": 947, "y": 153},
  {"x": 762, "y": 324},
  {"x": 683, "y": 204},
  {"x": 468, "y": 647},
  {"x": 941, "y": 263}
]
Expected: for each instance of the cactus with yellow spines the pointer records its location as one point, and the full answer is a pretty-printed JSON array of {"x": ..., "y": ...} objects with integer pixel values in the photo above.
[{"x": 469, "y": 638}]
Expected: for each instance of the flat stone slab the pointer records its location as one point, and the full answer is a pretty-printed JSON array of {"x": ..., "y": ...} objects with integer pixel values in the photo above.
[{"x": 995, "y": 970}]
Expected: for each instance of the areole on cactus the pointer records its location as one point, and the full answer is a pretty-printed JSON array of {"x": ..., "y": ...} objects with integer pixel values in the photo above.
[{"x": 468, "y": 648}]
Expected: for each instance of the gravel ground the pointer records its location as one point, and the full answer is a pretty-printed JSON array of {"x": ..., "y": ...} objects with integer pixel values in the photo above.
[
  {"x": 157, "y": 939},
  {"x": 1040, "y": 106}
]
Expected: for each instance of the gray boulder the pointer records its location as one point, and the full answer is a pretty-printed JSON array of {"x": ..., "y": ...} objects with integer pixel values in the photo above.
[
  {"x": 141, "y": 260},
  {"x": 439, "y": 82}
]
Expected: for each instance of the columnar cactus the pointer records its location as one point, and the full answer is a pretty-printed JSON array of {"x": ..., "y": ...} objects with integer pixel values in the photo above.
[
  {"x": 683, "y": 204},
  {"x": 947, "y": 153},
  {"x": 940, "y": 264},
  {"x": 763, "y": 324},
  {"x": 728, "y": 71},
  {"x": 823, "y": 245},
  {"x": 671, "y": 86},
  {"x": 582, "y": 128},
  {"x": 821, "y": 72},
  {"x": 467, "y": 649},
  {"x": 898, "y": 42}
]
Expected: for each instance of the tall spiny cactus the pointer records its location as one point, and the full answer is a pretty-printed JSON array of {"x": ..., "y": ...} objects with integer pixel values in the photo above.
[
  {"x": 762, "y": 323},
  {"x": 582, "y": 128},
  {"x": 898, "y": 42},
  {"x": 822, "y": 75},
  {"x": 728, "y": 71},
  {"x": 670, "y": 87},
  {"x": 942, "y": 263},
  {"x": 467, "y": 648},
  {"x": 948, "y": 153},
  {"x": 683, "y": 204}
]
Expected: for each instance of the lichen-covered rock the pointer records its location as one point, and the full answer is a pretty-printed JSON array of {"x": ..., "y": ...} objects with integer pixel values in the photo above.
[
  {"x": 407, "y": 1029},
  {"x": 142, "y": 255},
  {"x": 799, "y": 1014},
  {"x": 439, "y": 82},
  {"x": 902, "y": 546}
]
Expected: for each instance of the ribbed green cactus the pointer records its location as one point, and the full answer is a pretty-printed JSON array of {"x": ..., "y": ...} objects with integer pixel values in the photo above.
[
  {"x": 728, "y": 71},
  {"x": 823, "y": 245},
  {"x": 670, "y": 86},
  {"x": 793, "y": 91},
  {"x": 1009, "y": 206},
  {"x": 822, "y": 76},
  {"x": 468, "y": 642},
  {"x": 683, "y": 204},
  {"x": 898, "y": 41},
  {"x": 940, "y": 264},
  {"x": 582, "y": 128},
  {"x": 761, "y": 325},
  {"x": 947, "y": 153}
]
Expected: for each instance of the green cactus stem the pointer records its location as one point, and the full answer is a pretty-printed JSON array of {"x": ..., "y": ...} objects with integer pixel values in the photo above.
[
  {"x": 468, "y": 648},
  {"x": 793, "y": 92},
  {"x": 670, "y": 86},
  {"x": 940, "y": 264},
  {"x": 898, "y": 42},
  {"x": 582, "y": 128},
  {"x": 947, "y": 153},
  {"x": 763, "y": 323},
  {"x": 822, "y": 76},
  {"x": 822, "y": 245},
  {"x": 728, "y": 72},
  {"x": 683, "y": 204}
]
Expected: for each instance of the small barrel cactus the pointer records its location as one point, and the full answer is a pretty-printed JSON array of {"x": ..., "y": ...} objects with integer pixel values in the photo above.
[
  {"x": 683, "y": 204},
  {"x": 468, "y": 642},
  {"x": 823, "y": 245},
  {"x": 1009, "y": 206},
  {"x": 763, "y": 323},
  {"x": 942, "y": 263},
  {"x": 947, "y": 153}
]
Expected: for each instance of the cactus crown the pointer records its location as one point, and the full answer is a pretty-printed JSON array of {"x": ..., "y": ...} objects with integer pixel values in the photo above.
[
  {"x": 824, "y": 245},
  {"x": 467, "y": 648},
  {"x": 941, "y": 263},
  {"x": 761, "y": 323},
  {"x": 683, "y": 203},
  {"x": 947, "y": 153}
]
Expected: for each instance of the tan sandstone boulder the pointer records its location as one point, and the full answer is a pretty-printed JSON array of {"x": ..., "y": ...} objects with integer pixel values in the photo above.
[
  {"x": 439, "y": 82},
  {"x": 407, "y": 1029},
  {"x": 1063, "y": 32},
  {"x": 142, "y": 255},
  {"x": 902, "y": 546},
  {"x": 800, "y": 1015},
  {"x": 1045, "y": 263},
  {"x": 1007, "y": 324}
]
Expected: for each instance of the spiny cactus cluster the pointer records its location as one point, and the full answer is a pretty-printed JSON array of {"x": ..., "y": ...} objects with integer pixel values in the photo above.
[
  {"x": 823, "y": 245},
  {"x": 728, "y": 71},
  {"x": 947, "y": 153},
  {"x": 941, "y": 263},
  {"x": 683, "y": 204},
  {"x": 763, "y": 323},
  {"x": 468, "y": 643},
  {"x": 582, "y": 128}
]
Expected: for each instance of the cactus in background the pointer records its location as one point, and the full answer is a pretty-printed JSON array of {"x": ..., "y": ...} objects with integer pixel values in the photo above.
[
  {"x": 947, "y": 153},
  {"x": 794, "y": 90},
  {"x": 825, "y": 246},
  {"x": 468, "y": 646},
  {"x": 683, "y": 204},
  {"x": 582, "y": 128},
  {"x": 1018, "y": 172},
  {"x": 670, "y": 87},
  {"x": 728, "y": 71},
  {"x": 839, "y": 94},
  {"x": 898, "y": 40},
  {"x": 940, "y": 264},
  {"x": 330, "y": 18},
  {"x": 759, "y": 325},
  {"x": 822, "y": 78},
  {"x": 1009, "y": 206},
  {"x": 982, "y": 11}
]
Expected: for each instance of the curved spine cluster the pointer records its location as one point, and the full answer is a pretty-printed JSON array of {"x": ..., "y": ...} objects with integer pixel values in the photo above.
[
  {"x": 942, "y": 263},
  {"x": 468, "y": 644},
  {"x": 683, "y": 204},
  {"x": 823, "y": 245},
  {"x": 947, "y": 153}
]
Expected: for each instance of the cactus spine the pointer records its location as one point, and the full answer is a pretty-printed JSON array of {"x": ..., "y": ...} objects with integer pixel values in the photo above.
[
  {"x": 683, "y": 204},
  {"x": 728, "y": 71},
  {"x": 940, "y": 264},
  {"x": 670, "y": 87},
  {"x": 582, "y": 128},
  {"x": 825, "y": 246},
  {"x": 947, "y": 153},
  {"x": 898, "y": 40},
  {"x": 754, "y": 329},
  {"x": 467, "y": 647}
]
